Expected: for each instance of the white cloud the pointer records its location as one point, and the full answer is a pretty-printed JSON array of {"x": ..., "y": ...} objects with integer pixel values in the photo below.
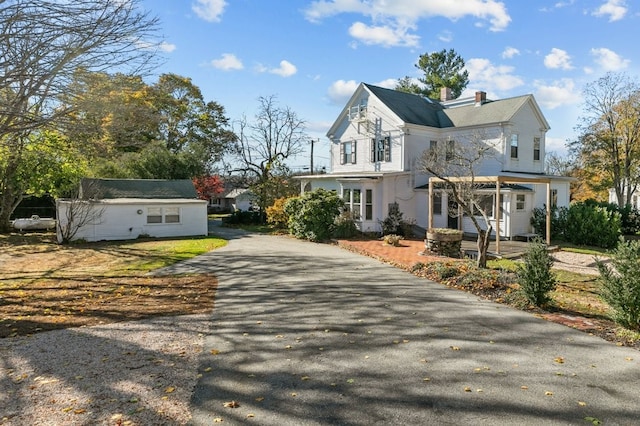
[
  {"x": 608, "y": 59},
  {"x": 555, "y": 145},
  {"x": 558, "y": 58},
  {"x": 486, "y": 76},
  {"x": 389, "y": 83},
  {"x": 286, "y": 69},
  {"x": 340, "y": 91},
  {"x": 391, "y": 22},
  {"x": 386, "y": 36},
  {"x": 557, "y": 94},
  {"x": 227, "y": 62},
  {"x": 445, "y": 36},
  {"x": 209, "y": 10},
  {"x": 162, "y": 46},
  {"x": 167, "y": 47},
  {"x": 614, "y": 9},
  {"x": 510, "y": 52}
]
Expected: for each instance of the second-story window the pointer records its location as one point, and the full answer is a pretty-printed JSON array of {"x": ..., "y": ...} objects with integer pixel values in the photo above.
[
  {"x": 348, "y": 152},
  {"x": 433, "y": 150},
  {"x": 450, "y": 151},
  {"x": 514, "y": 146},
  {"x": 381, "y": 150},
  {"x": 536, "y": 149}
]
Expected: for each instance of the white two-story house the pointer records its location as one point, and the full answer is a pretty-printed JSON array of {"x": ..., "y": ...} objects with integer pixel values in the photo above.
[{"x": 379, "y": 136}]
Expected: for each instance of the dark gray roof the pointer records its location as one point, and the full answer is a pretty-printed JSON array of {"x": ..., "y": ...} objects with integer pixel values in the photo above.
[
  {"x": 411, "y": 108},
  {"x": 136, "y": 188},
  {"x": 414, "y": 109}
]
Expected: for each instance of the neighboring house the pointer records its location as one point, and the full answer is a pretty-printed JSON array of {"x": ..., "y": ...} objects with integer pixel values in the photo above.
[
  {"x": 613, "y": 198},
  {"x": 380, "y": 134},
  {"x": 233, "y": 200},
  {"x": 123, "y": 209}
]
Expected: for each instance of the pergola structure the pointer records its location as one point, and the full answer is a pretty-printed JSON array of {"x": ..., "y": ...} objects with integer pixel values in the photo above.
[{"x": 497, "y": 180}]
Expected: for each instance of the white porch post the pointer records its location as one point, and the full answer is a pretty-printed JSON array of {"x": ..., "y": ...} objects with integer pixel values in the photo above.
[
  {"x": 548, "y": 213},
  {"x": 430, "y": 221},
  {"x": 497, "y": 216}
]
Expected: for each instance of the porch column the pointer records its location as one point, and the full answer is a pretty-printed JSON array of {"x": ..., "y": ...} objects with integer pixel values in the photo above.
[
  {"x": 497, "y": 207},
  {"x": 430, "y": 204},
  {"x": 548, "y": 213}
]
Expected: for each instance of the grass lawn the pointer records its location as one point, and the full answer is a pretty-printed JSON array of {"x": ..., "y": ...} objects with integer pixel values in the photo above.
[{"x": 46, "y": 286}]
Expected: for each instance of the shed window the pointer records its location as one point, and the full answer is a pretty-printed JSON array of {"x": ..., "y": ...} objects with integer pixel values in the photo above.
[
  {"x": 163, "y": 215},
  {"x": 520, "y": 201},
  {"x": 154, "y": 215},
  {"x": 172, "y": 215}
]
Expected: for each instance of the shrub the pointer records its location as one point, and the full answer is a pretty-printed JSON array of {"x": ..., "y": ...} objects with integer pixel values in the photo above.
[
  {"x": 621, "y": 283},
  {"x": 394, "y": 223},
  {"x": 534, "y": 275},
  {"x": 345, "y": 226},
  {"x": 312, "y": 215},
  {"x": 630, "y": 219},
  {"x": 593, "y": 225},
  {"x": 276, "y": 216},
  {"x": 558, "y": 222},
  {"x": 241, "y": 217}
]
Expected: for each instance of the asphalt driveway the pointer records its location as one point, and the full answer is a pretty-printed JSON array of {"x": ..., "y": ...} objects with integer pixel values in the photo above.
[{"x": 310, "y": 334}]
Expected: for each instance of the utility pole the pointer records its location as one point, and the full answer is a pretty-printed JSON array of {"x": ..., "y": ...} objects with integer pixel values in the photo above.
[{"x": 312, "y": 142}]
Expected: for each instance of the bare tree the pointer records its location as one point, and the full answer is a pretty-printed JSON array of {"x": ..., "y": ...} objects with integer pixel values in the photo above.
[
  {"x": 77, "y": 214},
  {"x": 42, "y": 44},
  {"x": 82, "y": 209},
  {"x": 609, "y": 140},
  {"x": 457, "y": 164},
  {"x": 263, "y": 145}
]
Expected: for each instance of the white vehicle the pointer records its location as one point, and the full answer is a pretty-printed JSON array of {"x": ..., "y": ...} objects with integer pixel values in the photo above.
[{"x": 34, "y": 222}]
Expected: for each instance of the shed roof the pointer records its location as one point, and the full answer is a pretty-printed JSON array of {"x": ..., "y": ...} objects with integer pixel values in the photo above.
[{"x": 137, "y": 188}]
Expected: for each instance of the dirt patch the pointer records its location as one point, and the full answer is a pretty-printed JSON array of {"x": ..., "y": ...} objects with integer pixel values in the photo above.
[{"x": 44, "y": 287}]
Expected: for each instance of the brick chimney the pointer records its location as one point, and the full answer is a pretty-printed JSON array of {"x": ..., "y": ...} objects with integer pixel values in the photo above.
[
  {"x": 481, "y": 97},
  {"x": 445, "y": 94}
]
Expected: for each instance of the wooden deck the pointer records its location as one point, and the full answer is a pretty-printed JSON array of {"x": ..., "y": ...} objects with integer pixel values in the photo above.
[{"x": 509, "y": 249}]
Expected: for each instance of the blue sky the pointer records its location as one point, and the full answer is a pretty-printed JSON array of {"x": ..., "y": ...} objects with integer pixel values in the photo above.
[{"x": 312, "y": 54}]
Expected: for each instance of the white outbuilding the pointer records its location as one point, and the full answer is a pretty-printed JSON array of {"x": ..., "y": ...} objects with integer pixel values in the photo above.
[{"x": 124, "y": 209}]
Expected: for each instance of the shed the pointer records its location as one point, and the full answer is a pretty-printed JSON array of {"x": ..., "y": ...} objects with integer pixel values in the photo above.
[{"x": 123, "y": 209}]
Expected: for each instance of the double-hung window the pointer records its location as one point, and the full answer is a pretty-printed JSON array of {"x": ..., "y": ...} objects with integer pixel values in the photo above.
[
  {"x": 381, "y": 150},
  {"x": 450, "y": 151},
  {"x": 163, "y": 215},
  {"x": 487, "y": 205},
  {"x": 433, "y": 150},
  {"x": 437, "y": 203},
  {"x": 348, "y": 152},
  {"x": 368, "y": 204},
  {"x": 536, "y": 149},
  {"x": 514, "y": 146},
  {"x": 352, "y": 200},
  {"x": 520, "y": 202}
]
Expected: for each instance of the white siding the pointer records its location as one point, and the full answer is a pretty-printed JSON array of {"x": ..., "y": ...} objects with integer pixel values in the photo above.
[
  {"x": 126, "y": 220},
  {"x": 526, "y": 125}
]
